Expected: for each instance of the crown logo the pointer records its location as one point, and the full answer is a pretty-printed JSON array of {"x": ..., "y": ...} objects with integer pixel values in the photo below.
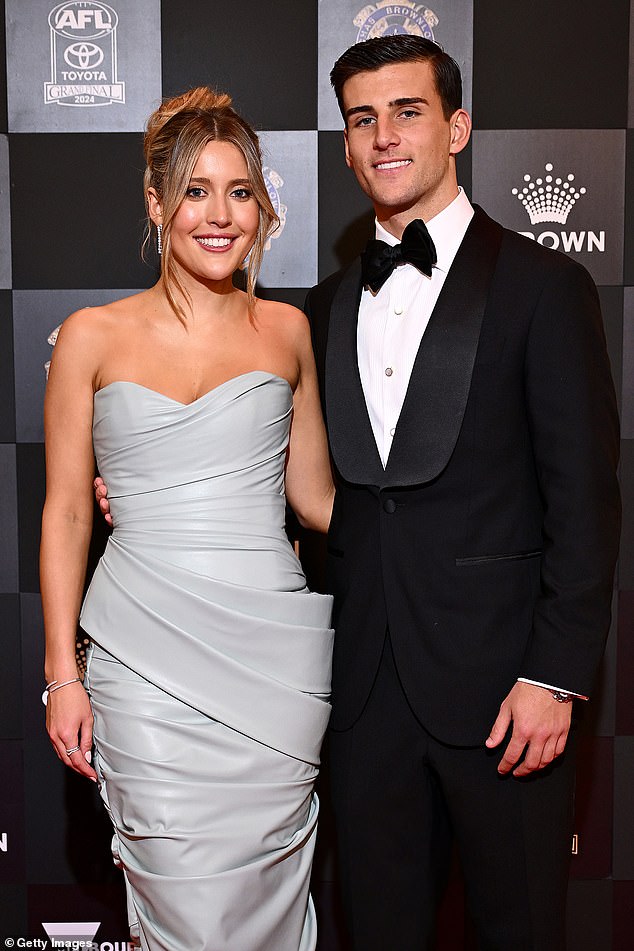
[{"x": 548, "y": 198}]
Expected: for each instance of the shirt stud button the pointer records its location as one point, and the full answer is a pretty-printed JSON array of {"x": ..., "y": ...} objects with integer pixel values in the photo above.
[{"x": 389, "y": 371}]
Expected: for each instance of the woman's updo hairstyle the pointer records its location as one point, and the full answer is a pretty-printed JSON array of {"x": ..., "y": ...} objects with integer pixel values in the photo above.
[{"x": 176, "y": 134}]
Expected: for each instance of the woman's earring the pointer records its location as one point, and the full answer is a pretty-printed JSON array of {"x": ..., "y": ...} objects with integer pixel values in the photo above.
[{"x": 159, "y": 239}]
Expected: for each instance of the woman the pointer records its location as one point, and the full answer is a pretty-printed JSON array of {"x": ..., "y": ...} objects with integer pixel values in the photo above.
[{"x": 209, "y": 670}]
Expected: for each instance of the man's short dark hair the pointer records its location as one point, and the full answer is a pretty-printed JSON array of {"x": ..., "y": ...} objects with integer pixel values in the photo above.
[{"x": 401, "y": 48}]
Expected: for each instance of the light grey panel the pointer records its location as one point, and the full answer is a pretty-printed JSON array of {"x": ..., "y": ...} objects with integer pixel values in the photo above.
[
  {"x": 290, "y": 170},
  {"x": 344, "y": 22},
  {"x": 82, "y": 65},
  {"x": 630, "y": 113}
]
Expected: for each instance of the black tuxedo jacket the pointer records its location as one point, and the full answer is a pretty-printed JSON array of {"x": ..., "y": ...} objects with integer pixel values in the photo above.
[{"x": 487, "y": 545}]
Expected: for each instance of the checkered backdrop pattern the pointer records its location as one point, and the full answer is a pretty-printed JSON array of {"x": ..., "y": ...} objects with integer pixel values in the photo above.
[{"x": 551, "y": 89}]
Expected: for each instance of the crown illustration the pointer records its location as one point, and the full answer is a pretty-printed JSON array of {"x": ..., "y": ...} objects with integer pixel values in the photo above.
[{"x": 548, "y": 198}]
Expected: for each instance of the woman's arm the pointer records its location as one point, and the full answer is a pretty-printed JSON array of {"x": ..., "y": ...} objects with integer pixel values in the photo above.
[
  {"x": 309, "y": 485},
  {"x": 66, "y": 530}
]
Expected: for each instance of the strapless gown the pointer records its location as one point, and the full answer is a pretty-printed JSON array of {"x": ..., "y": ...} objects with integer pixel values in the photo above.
[{"x": 209, "y": 671}]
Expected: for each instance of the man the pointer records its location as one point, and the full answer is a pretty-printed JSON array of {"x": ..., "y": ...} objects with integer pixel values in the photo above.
[{"x": 473, "y": 430}]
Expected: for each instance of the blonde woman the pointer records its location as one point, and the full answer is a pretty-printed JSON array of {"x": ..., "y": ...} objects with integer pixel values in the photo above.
[{"x": 207, "y": 691}]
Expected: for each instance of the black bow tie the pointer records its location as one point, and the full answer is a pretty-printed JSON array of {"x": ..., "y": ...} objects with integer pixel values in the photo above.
[{"x": 379, "y": 259}]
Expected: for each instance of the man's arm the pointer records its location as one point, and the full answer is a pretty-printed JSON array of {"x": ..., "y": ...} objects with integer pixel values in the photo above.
[{"x": 575, "y": 439}]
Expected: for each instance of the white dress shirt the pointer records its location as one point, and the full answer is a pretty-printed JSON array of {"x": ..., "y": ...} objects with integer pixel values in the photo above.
[{"x": 392, "y": 323}]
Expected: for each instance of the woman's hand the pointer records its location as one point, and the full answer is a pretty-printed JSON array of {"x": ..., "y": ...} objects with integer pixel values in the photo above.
[{"x": 69, "y": 723}]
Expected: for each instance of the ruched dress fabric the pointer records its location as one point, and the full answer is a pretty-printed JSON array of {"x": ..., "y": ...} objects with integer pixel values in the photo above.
[{"x": 209, "y": 671}]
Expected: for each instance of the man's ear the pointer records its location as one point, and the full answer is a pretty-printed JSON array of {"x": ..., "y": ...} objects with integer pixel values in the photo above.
[
  {"x": 346, "y": 147},
  {"x": 460, "y": 123}
]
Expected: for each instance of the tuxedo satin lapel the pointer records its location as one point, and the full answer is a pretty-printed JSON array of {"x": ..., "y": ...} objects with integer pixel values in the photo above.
[
  {"x": 350, "y": 433},
  {"x": 436, "y": 398}
]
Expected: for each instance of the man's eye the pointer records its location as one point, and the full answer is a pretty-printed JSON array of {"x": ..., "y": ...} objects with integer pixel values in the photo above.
[{"x": 364, "y": 120}]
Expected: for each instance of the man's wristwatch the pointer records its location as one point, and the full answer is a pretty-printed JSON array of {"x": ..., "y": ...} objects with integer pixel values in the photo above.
[{"x": 561, "y": 696}]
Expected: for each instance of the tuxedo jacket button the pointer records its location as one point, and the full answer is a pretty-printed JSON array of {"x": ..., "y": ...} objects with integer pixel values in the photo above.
[{"x": 389, "y": 506}]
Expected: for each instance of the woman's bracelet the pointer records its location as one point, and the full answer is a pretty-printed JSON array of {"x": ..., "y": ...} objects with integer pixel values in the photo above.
[{"x": 54, "y": 685}]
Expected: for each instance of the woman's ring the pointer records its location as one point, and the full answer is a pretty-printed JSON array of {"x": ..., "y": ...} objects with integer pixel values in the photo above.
[{"x": 73, "y": 749}]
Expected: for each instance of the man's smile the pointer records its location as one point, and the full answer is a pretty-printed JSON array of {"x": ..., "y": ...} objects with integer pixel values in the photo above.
[{"x": 393, "y": 163}]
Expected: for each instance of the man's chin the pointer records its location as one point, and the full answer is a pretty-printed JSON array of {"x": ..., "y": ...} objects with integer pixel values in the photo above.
[{"x": 393, "y": 206}]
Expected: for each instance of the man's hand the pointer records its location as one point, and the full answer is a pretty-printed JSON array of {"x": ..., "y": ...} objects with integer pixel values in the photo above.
[
  {"x": 101, "y": 495},
  {"x": 540, "y": 726}
]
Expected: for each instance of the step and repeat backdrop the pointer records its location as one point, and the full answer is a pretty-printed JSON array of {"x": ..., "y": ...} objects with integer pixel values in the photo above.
[{"x": 548, "y": 85}]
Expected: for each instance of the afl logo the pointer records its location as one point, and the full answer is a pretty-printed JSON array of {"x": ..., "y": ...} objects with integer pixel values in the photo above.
[
  {"x": 77, "y": 19},
  {"x": 83, "y": 55},
  {"x": 384, "y": 18}
]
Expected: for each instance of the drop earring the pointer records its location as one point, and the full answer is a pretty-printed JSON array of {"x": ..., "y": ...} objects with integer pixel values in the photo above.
[{"x": 159, "y": 239}]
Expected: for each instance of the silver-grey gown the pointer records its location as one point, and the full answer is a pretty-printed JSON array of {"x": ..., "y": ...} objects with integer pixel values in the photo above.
[{"x": 209, "y": 673}]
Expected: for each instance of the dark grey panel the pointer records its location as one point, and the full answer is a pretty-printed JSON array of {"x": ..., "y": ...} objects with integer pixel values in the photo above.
[
  {"x": 623, "y": 863},
  {"x": 31, "y": 488},
  {"x": 12, "y": 853},
  {"x": 561, "y": 187},
  {"x": 612, "y": 310},
  {"x": 13, "y": 917},
  {"x": 626, "y": 560},
  {"x": 85, "y": 227},
  {"x": 5, "y": 215},
  {"x": 624, "y": 725},
  {"x": 593, "y": 807},
  {"x": 590, "y": 916},
  {"x": 8, "y": 520},
  {"x": 263, "y": 54},
  {"x": 37, "y": 316},
  {"x": 546, "y": 65},
  {"x": 346, "y": 219},
  {"x": 62, "y": 809},
  {"x": 628, "y": 264},
  {"x": 601, "y": 711},
  {"x": 627, "y": 407}
]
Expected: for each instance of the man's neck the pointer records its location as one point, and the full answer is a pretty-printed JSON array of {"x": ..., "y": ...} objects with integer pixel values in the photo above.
[{"x": 395, "y": 223}]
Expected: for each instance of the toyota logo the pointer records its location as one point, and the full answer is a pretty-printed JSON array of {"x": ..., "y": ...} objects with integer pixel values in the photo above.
[{"x": 83, "y": 55}]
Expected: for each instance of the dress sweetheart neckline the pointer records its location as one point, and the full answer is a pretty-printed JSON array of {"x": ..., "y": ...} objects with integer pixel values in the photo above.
[{"x": 214, "y": 389}]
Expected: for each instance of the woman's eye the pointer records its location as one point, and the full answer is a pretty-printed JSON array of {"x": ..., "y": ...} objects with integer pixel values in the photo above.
[
  {"x": 242, "y": 193},
  {"x": 195, "y": 192}
]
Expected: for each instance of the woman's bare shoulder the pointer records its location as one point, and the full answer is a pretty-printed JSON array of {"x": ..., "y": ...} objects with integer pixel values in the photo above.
[
  {"x": 282, "y": 318},
  {"x": 89, "y": 323}
]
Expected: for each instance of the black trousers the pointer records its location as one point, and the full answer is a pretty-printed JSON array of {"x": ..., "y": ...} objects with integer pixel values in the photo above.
[{"x": 400, "y": 797}]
